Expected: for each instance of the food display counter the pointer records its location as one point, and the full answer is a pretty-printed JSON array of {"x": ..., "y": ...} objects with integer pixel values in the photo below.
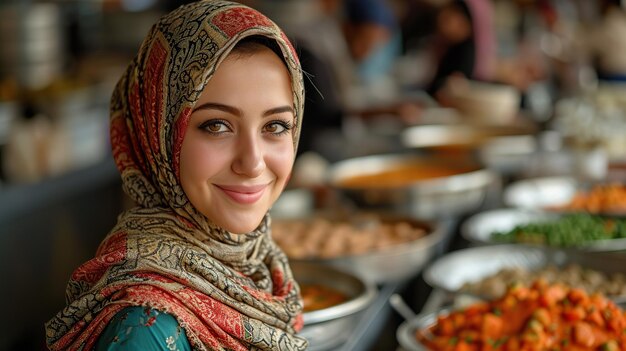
[
  {"x": 446, "y": 215},
  {"x": 539, "y": 185},
  {"x": 373, "y": 328}
]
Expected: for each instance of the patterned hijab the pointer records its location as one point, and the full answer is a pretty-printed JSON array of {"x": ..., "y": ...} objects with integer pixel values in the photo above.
[{"x": 229, "y": 291}]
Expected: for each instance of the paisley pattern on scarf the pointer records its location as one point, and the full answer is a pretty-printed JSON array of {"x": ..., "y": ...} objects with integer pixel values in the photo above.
[{"x": 228, "y": 291}]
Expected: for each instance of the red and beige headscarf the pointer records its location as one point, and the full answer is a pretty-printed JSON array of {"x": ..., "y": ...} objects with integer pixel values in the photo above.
[{"x": 229, "y": 291}]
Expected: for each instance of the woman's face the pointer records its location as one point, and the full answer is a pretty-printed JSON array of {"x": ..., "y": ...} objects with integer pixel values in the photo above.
[
  {"x": 238, "y": 151},
  {"x": 453, "y": 25}
]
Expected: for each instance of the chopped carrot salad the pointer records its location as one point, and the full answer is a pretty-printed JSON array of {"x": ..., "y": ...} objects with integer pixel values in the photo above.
[
  {"x": 602, "y": 198},
  {"x": 532, "y": 318}
]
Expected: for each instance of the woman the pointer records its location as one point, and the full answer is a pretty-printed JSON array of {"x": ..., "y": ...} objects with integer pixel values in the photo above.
[
  {"x": 465, "y": 43},
  {"x": 373, "y": 38},
  {"x": 204, "y": 128}
]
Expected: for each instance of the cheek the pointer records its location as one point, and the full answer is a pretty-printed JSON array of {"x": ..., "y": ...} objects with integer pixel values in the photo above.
[
  {"x": 280, "y": 161},
  {"x": 198, "y": 162}
]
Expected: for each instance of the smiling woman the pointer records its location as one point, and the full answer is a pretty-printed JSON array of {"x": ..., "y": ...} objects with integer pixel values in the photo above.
[
  {"x": 238, "y": 150},
  {"x": 204, "y": 129}
]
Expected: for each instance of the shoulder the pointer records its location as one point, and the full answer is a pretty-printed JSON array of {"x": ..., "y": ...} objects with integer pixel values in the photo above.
[{"x": 143, "y": 328}]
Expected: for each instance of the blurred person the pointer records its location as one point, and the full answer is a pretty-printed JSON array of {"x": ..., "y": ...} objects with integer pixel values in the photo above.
[
  {"x": 464, "y": 43},
  {"x": 204, "y": 128},
  {"x": 314, "y": 27},
  {"x": 606, "y": 42},
  {"x": 416, "y": 19},
  {"x": 373, "y": 36},
  {"x": 465, "y": 47},
  {"x": 330, "y": 64}
]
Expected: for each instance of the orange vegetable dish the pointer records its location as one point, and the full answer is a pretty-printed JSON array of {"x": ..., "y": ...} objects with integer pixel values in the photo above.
[
  {"x": 604, "y": 198},
  {"x": 536, "y": 318}
]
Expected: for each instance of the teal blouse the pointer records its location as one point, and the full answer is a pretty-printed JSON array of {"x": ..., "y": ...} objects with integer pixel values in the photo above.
[{"x": 143, "y": 328}]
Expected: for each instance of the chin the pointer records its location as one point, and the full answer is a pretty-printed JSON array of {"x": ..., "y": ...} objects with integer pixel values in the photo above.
[
  {"x": 241, "y": 231},
  {"x": 242, "y": 226}
]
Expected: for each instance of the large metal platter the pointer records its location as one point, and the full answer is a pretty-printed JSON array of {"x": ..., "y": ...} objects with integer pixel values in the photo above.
[
  {"x": 478, "y": 228},
  {"x": 438, "y": 135},
  {"x": 405, "y": 334},
  {"x": 394, "y": 263},
  {"x": 328, "y": 327},
  {"x": 454, "y": 269},
  {"x": 427, "y": 198}
]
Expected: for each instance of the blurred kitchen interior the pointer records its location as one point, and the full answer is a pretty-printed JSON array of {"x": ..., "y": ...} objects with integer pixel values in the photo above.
[{"x": 59, "y": 61}]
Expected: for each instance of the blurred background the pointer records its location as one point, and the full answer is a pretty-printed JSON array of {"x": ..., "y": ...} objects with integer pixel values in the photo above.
[{"x": 554, "y": 69}]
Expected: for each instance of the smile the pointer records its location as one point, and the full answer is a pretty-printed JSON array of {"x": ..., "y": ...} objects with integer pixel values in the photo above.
[{"x": 244, "y": 194}]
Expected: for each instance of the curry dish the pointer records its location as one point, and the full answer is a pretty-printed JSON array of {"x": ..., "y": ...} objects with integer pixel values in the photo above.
[
  {"x": 538, "y": 317},
  {"x": 401, "y": 175},
  {"x": 317, "y": 297}
]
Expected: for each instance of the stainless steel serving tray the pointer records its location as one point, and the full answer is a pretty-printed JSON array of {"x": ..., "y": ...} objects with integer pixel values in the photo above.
[
  {"x": 428, "y": 198},
  {"x": 394, "y": 263},
  {"x": 327, "y": 328},
  {"x": 437, "y": 135},
  {"x": 454, "y": 269},
  {"x": 506, "y": 149},
  {"x": 479, "y": 228},
  {"x": 405, "y": 334}
]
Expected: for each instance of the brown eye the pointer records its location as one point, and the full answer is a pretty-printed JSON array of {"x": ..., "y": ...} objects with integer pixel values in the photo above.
[
  {"x": 277, "y": 127},
  {"x": 215, "y": 126},
  {"x": 273, "y": 128}
]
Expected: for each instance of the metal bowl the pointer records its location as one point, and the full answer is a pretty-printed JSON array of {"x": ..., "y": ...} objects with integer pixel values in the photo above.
[
  {"x": 540, "y": 193},
  {"x": 478, "y": 229},
  {"x": 406, "y": 331},
  {"x": 405, "y": 334},
  {"x": 509, "y": 155},
  {"x": 506, "y": 149},
  {"x": 454, "y": 269},
  {"x": 393, "y": 263},
  {"x": 327, "y": 328},
  {"x": 461, "y": 135},
  {"x": 459, "y": 193}
]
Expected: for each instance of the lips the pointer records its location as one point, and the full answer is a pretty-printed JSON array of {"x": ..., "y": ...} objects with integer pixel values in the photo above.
[{"x": 243, "y": 194}]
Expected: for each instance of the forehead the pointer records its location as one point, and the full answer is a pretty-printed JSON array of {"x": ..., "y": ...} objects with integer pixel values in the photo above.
[{"x": 260, "y": 76}]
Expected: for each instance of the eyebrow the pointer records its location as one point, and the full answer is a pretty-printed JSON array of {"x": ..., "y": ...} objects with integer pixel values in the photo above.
[{"x": 238, "y": 112}]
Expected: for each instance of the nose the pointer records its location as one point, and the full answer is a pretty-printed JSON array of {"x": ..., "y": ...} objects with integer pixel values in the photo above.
[{"x": 249, "y": 160}]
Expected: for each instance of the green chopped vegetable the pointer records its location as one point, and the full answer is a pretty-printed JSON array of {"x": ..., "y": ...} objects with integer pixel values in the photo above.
[{"x": 569, "y": 230}]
